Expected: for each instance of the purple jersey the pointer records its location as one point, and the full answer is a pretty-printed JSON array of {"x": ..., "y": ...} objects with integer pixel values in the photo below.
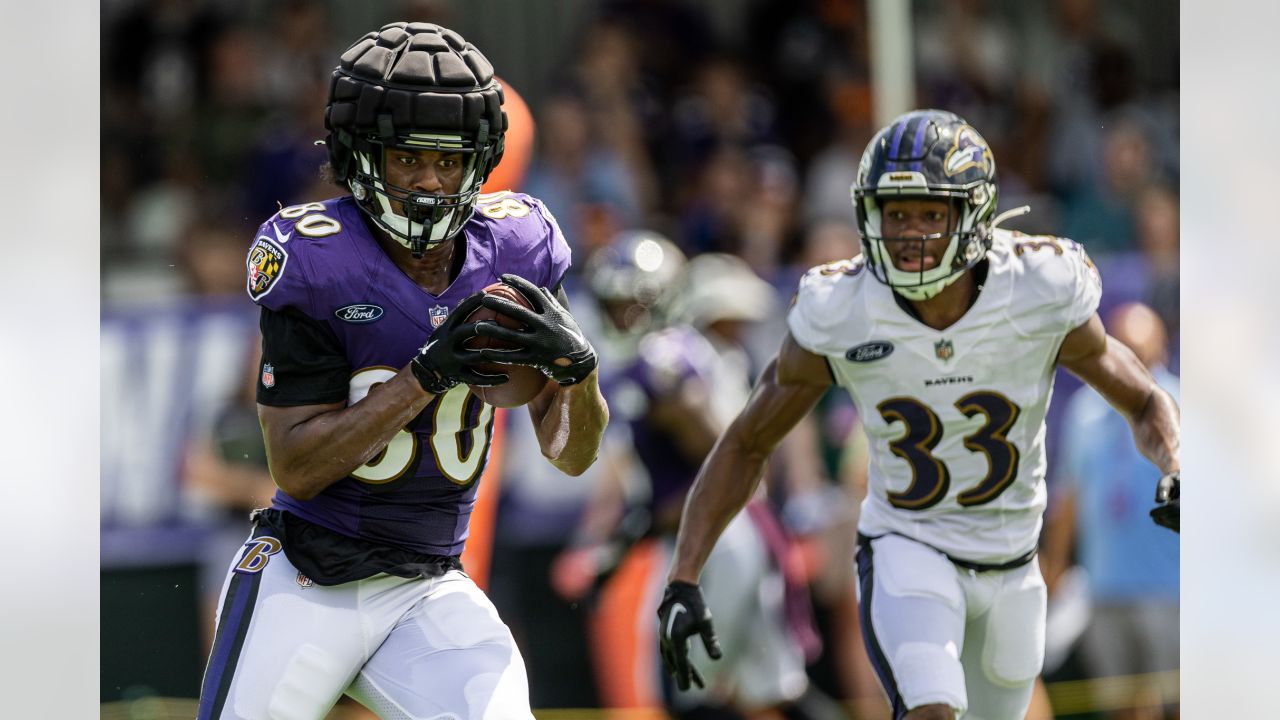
[
  {"x": 667, "y": 360},
  {"x": 321, "y": 260}
]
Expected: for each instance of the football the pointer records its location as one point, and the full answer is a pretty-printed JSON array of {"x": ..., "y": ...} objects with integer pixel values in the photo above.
[{"x": 524, "y": 383}]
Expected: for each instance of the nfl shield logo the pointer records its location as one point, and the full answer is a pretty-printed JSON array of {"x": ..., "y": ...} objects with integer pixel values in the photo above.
[
  {"x": 944, "y": 349},
  {"x": 438, "y": 315},
  {"x": 268, "y": 375}
]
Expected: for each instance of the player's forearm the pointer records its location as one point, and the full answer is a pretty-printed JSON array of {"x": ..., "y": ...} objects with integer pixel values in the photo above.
[
  {"x": 312, "y": 455},
  {"x": 1156, "y": 433},
  {"x": 571, "y": 427},
  {"x": 725, "y": 483}
]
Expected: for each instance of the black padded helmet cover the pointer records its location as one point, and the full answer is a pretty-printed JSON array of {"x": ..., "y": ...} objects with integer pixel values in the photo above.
[{"x": 414, "y": 86}]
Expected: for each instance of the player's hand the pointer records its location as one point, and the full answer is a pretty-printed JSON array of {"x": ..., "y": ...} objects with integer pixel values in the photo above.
[
  {"x": 551, "y": 340},
  {"x": 682, "y": 615},
  {"x": 1167, "y": 511},
  {"x": 445, "y": 361}
]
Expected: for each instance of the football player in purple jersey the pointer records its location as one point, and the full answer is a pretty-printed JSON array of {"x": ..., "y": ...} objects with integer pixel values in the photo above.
[{"x": 350, "y": 582}]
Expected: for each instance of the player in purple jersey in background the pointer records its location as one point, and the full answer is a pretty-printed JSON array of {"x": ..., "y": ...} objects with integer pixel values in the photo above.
[
  {"x": 678, "y": 374},
  {"x": 350, "y": 582}
]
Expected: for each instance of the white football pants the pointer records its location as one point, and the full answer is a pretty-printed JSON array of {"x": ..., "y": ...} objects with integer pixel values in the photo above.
[
  {"x": 407, "y": 648},
  {"x": 938, "y": 633}
]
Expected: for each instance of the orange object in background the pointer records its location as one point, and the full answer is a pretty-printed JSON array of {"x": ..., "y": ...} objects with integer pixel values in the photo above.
[
  {"x": 624, "y": 635},
  {"x": 477, "y": 555},
  {"x": 519, "y": 143}
]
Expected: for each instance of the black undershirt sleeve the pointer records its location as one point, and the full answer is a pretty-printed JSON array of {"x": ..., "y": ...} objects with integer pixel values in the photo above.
[
  {"x": 302, "y": 361},
  {"x": 561, "y": 296}
]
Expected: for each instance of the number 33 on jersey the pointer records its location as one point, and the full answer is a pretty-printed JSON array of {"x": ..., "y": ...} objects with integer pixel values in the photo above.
[{"x": 955, "y": 417}]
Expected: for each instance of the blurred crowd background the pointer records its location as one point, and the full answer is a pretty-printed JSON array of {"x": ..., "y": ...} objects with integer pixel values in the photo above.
[{"x": 731, "y": 128}]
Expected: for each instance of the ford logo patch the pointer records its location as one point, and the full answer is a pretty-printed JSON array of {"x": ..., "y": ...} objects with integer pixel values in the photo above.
[
  {"x": 358, "y": 313},
  {"x": 866, "y": 352}
]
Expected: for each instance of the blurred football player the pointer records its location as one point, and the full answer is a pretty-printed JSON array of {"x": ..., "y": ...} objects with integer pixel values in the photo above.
[
  {"x": 946, "y": 332},
  {"x": 687, "y": 376},
  {"x": 350, "y": 582}
]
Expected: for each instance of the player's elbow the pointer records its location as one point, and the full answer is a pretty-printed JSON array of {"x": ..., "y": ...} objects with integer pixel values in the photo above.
[
  {"x": 294, "y": 482},
  {"x": 295, "y": 487},
  {"x": 572, "y": 468},
  {"x": 572, "y": 471}
]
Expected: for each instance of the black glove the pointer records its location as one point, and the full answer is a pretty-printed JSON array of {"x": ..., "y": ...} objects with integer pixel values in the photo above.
[
  {"x": 551, "y": 340},
  {"x": 1167, "y": 512},
  {"x": 682, "y": 615},
  {"x": 444, "y": 361}
]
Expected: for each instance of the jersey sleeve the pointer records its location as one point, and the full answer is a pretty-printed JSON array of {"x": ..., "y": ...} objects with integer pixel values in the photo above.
[
  {"x": 561, "y": 257},
  {"x": 820, "y": 304},
  {"x": 1060, "y": 287},
  {"x": 275, "y": 277},
  {"x": 302, "y": 361},
  {"x": 1085, "y": 285},
  {"x": 529, "y": 241}
]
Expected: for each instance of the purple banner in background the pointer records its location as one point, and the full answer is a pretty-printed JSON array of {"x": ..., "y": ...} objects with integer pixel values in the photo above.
[{"x": 167, "y": 371}]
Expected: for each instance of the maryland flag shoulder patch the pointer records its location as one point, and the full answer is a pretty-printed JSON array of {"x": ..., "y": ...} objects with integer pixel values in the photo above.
[{"x": 265, "y": 264}]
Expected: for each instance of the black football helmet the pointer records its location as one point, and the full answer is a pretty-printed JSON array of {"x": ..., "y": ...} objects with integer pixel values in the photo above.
[
  {"x": 927, "y": 154},
  {"x": 415, "y": 86}
]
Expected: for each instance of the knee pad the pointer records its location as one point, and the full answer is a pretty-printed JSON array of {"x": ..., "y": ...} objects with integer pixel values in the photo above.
[
  {"x": 929, "y": 673},
  {"x": 295, "y": 696},
  {"x": 1013, "y": 653}
]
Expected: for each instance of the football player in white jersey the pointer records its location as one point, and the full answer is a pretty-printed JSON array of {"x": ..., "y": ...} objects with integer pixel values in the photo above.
[{"x": 946, "y": 331}]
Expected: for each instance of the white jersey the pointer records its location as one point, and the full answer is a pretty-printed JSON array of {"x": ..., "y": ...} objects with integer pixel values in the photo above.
[{"x": 955, "y": 417}]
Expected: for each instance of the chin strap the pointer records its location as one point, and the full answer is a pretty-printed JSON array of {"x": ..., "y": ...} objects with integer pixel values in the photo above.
[{"x": 1009, "y": 215}]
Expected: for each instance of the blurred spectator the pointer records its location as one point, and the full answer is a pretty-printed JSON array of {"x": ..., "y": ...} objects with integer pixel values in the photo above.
[
  {"x": 721, "y": 107},
  {"x": 835, "y": 168},
  {"x": 768, "y": 219},
  {"x": 708, "y": 216},
  {"x": 966, "y": 62},
  {"x": 625, "y": 111},
  {"x": 1082, "y": 68},
  {"x": 675, "y": 35},
  {"x": 579, "y": 177},
  {"x": 1157, "y": 237},
  {"x": 154, "y": 54},
  {"x": 1101, "y": 214},
  {"x": 744, "y": 203},
  {"x": 212, "y": 257},
  {"x": 152, "y": 225},
  {"x": 802, "y": 51},
  {"x": 1100, "y": 500},
  {"x": 828, "y": 241}
]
